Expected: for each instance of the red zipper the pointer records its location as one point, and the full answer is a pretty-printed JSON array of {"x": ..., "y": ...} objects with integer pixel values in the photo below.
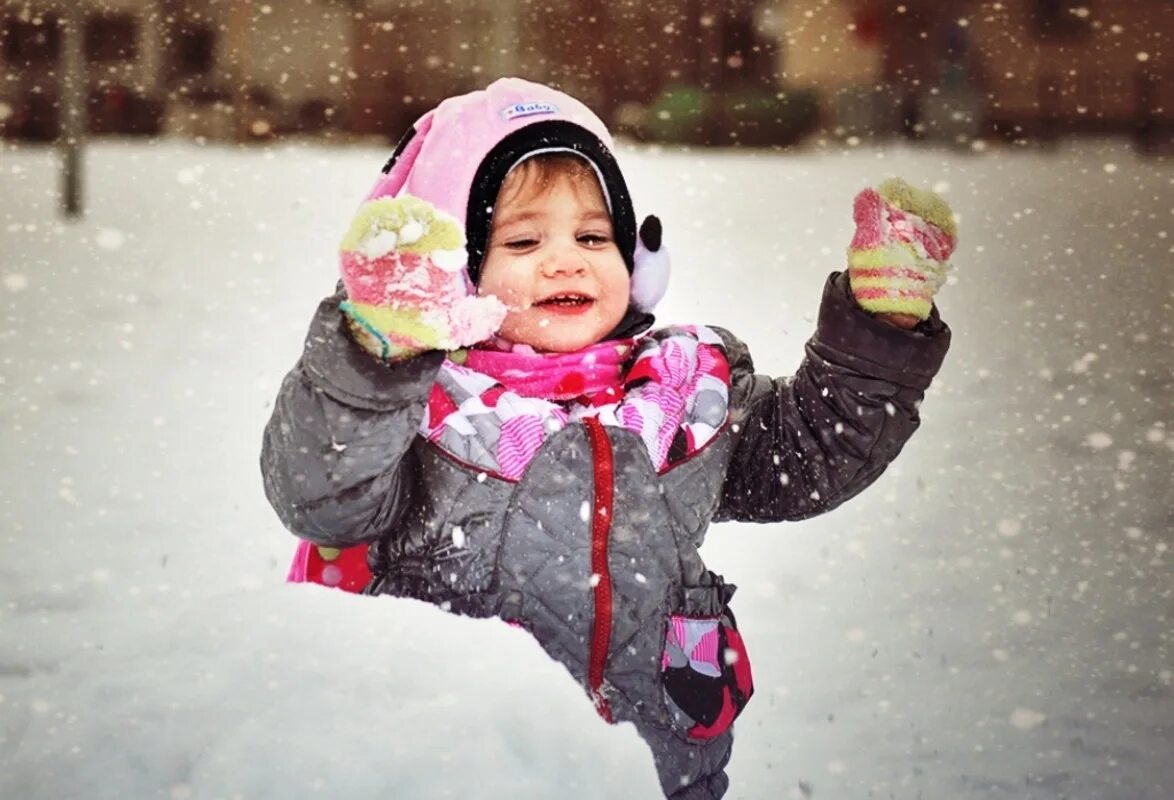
[{"x": 601, "y": 511}]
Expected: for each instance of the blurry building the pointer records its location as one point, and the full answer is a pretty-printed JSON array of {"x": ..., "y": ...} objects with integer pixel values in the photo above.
[
  {"x": 233, "y": 68},
  {"x": 411, "y": 53},
  {"x": 1015, "y": 68},
  {"x": 219, "y": 68},
  {"x": 229, "y": 69}
]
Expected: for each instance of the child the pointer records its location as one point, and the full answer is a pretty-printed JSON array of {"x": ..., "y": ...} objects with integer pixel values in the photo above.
[{"x": 560, "y": 472}]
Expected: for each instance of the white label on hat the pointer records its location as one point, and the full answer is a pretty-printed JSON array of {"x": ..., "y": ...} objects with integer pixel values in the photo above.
[{"x": 527, "y": 110}]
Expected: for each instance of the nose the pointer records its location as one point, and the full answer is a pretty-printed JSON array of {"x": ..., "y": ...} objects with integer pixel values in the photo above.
[{"x": 564, "y": 262}]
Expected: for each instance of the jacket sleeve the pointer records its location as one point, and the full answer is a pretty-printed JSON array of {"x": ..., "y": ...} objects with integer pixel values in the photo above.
[
  {"x": 806, "y": 444},
  {"x": 335, "y": 456}
]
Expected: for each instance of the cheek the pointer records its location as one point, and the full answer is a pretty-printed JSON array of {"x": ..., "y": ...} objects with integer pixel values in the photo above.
[
  {"x": 505, "y": 283},
  {"x": 504, "y": 293},
  {"x": 619, "y": 291}
]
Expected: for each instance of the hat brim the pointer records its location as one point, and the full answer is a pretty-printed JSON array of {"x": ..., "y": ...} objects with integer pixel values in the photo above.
[{"x": 531, "y": 140}]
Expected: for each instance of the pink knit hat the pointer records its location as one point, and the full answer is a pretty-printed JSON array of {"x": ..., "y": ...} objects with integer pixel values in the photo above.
[{"x": 457, "y": 155}]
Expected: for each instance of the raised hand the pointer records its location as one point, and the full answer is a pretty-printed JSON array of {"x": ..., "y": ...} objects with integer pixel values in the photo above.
[
  {"x": 403, "y": 265},
  {"x": 899, "y": 254}
]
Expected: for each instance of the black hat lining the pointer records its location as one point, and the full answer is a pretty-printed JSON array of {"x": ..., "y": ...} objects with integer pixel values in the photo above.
[{"x": 550, "y": 136}]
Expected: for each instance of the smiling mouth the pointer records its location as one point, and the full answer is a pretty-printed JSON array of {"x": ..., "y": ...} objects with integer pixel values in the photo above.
[{"x": 569, "y": 300}]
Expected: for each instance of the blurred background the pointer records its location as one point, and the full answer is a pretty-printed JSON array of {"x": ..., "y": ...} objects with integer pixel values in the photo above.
[
  {"x": 764, "y": 73},
  {"x": 992, "y": 620}
]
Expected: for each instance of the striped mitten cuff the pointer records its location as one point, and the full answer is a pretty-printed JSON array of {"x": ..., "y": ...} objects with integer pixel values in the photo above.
[{"x": 898, "y": 257}]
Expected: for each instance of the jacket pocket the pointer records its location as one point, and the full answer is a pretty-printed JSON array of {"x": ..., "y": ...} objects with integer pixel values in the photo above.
[{"x": 705, "y": 671}]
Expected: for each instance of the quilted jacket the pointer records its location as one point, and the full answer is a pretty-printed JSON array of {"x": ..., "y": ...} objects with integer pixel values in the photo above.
[{"x": 593, "y": 550}]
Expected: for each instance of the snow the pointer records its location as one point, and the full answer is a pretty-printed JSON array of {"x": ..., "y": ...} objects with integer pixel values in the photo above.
[
  {"x": 992, "y": 619},
  {"x": 299, "y": 692}
]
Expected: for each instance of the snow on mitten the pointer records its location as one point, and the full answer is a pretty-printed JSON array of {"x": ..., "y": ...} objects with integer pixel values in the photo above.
[
  {"x": 403, "y": 265},
  {"x": 898, "y": 257}
]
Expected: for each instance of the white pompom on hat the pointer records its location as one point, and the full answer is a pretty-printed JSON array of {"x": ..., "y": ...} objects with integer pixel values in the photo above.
[{"x": 650, "y": 268}]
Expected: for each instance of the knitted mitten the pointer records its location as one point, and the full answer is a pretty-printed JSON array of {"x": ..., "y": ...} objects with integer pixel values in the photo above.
[
  {"x": 403, "y": 265},
  {"x": 898, "y": 258}
]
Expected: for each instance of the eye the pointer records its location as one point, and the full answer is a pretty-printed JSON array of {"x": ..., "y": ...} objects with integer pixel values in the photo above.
[
  {"x": 594, "y": 239},
  {"x": 520, "y": 244}
]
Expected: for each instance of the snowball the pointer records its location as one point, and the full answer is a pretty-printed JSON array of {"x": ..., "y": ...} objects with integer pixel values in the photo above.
[
  {"x": 15, "y": 282},
  {"x": 1081, "y": 365},
  {"x": 379, "y": 245},
  {"x": 110, "y": 239},
  {"x": 189, "y": 175},
  {"x": 449, "y": 260},
  {"x": 1009, "y": 527},
  {"x": 412, "y": 231},
  {"x": 1098, "y": 440},
  {"x": 458, "y": 536},
  {"x": 1025, "y": 719}
]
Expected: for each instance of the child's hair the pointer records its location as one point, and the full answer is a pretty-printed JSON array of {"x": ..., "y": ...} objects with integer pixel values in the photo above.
[{"x": 534, "y": 176}]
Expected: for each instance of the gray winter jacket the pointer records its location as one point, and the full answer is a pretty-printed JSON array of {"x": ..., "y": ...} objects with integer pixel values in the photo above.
[{"x": 343, "y": 465}]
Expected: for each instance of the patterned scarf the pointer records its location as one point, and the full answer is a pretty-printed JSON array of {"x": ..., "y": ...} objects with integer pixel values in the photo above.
[
  {"x": 554, "y": 376},
  {"x": 495, "y": 411}
]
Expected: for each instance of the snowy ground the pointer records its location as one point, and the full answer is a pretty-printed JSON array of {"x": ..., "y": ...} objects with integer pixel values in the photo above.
[{"x": 993, "y": 619}]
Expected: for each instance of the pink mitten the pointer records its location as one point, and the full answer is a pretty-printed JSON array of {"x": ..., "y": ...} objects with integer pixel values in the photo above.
[
  {"x": 403, "y": 264},
  {"x": 898, "y": 257}
]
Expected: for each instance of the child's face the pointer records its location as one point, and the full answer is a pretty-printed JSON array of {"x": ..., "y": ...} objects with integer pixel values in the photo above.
[{"x": 553, "y": 261}]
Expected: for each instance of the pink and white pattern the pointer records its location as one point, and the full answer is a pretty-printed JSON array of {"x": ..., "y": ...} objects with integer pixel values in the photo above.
[
  {"x": 879, "y": 223},
  {"x": 692, "y": 642},
  {"x": 677, "y": 386}
]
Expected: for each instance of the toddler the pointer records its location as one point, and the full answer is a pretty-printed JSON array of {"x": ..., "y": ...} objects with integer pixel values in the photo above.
[{"x": 485, "y": 418}]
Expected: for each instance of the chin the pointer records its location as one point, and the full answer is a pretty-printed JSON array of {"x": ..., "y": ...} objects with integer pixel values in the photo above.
[
  {"x": 555, "y": 338},
  {"x": 561, "y": 344}
]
